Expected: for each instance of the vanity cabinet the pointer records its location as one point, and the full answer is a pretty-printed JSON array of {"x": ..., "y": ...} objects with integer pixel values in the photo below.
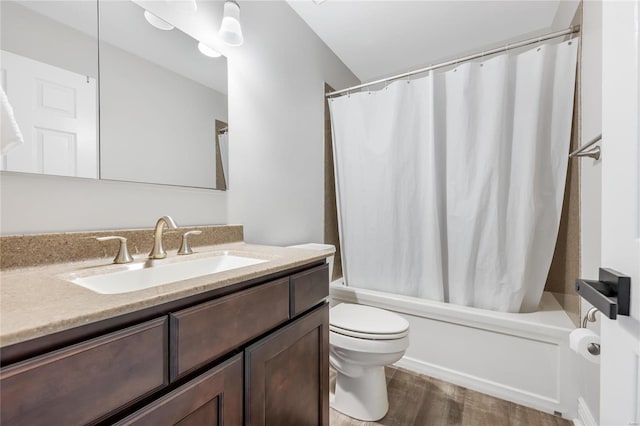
[{"x": 255, "y": 355}]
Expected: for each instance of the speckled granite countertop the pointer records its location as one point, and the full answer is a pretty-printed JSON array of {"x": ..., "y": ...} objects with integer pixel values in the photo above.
[{"x": 37, "y": 301}]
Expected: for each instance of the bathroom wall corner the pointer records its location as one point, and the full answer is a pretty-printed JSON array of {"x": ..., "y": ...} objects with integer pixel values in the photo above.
[
  {"x": 565, "y": 265},
  {"x": 331, "y": 233}
]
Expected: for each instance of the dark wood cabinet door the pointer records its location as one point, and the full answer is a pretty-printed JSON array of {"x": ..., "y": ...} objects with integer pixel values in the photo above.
[
  {"x": 88, "y": 381},
  {"x": 211, "y": 399},
  {"x": 287, "y": 374}
]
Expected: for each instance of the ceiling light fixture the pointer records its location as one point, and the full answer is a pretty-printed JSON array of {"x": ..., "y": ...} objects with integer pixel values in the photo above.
[
  {"x": 160, "y": 24},
  {"x": 230, "y": 30},
  {"x": 207, "y": 51}
]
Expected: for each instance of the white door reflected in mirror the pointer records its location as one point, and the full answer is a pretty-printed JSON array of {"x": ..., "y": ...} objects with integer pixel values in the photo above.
[{"x": 56, "y": 112}]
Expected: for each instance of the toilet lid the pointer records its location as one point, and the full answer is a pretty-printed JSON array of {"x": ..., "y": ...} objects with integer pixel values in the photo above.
[{"x": 367, "y": 322}]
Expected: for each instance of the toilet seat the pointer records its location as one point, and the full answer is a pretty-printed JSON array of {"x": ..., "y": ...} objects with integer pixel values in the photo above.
[
  {"x": 371, "y": 346},
  {"x": 369, "y": 336},
  {"x": 366, "y": 322}
]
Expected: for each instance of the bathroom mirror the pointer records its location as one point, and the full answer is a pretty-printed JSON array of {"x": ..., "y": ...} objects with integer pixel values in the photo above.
[
  {"x": 49, "y": 71},
  {"x": 163, "y": 100},
  {"x": 153, "y": 111}
]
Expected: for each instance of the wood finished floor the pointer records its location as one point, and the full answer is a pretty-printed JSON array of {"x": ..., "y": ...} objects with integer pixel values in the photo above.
[{"x": 419, "y": 400}]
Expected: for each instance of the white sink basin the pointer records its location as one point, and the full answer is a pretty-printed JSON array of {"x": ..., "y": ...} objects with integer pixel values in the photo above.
[{"x": 138, "y": 276}]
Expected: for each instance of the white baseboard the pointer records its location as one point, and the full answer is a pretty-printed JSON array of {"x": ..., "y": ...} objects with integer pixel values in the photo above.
[{"x": 585, "y": 417}]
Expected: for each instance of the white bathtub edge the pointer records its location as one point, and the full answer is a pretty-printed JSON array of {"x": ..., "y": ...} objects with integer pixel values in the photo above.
[{"x": 556, "y": 331}]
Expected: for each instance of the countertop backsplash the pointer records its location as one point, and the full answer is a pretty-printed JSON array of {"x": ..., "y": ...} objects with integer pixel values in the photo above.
[{"x": 20, "y": 251}]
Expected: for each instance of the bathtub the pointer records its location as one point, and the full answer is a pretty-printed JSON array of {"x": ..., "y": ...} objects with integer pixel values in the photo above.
[{"x": 522, "y": 358}]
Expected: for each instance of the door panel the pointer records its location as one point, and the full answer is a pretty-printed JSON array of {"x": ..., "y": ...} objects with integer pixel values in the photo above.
[
  {"x": 205, "y": 415},
  {"x": 55, "y": 152},
  {"x": 56, "y": 111},
  {"x": 212, "y": 398},
  {"x": 287, "y": 374},
  {"x": 620, "y": 338}
]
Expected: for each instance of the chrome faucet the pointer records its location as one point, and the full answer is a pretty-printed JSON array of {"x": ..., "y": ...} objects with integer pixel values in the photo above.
[{"x": 158, "y": 252}]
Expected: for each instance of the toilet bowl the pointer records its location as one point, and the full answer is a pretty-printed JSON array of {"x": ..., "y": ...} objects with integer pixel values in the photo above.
[{"x": 362, "y": 341}]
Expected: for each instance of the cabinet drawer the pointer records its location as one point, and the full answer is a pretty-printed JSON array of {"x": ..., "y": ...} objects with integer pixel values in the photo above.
[
  {"x": 205, "y": 332},
  {"x": 213, "y": 398},
  {"x": 81, "y": 383},
  {"x": 308, "y": 288}
]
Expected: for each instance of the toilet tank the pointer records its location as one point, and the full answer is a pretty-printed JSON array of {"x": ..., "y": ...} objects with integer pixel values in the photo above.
[{"x": 320, "y": 247}]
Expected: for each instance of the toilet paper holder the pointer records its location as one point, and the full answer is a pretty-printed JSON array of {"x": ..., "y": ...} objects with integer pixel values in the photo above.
[
  {"x": 593, "y": 348},
  {"x": 610, "y": 294}
]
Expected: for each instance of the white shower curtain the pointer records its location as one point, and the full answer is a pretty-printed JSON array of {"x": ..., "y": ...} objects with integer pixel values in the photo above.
[
  {"x": 450, "y": 187},
  {"x": 386, "y": 163}
]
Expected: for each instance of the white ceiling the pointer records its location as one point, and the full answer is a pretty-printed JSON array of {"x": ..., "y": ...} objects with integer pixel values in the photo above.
[{"x": 381, "y": 38}]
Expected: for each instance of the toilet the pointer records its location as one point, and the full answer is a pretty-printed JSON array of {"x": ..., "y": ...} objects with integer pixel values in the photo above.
[{"x": 362, "y": 341}]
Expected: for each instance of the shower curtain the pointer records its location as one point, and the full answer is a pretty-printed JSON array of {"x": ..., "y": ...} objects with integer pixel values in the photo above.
[{"x": 450, "y": 186}]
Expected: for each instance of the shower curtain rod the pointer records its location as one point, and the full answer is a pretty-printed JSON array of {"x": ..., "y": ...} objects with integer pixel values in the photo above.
[{"x": 570, "y": 30}]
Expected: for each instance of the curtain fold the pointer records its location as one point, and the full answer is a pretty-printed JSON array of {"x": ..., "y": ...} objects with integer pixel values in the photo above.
[
  {"x": 386, "y": 174},
  {"x": 450, "y": 186}
]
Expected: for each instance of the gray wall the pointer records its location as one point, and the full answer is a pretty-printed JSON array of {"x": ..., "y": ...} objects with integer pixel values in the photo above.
[{"x": 276, "y": 115}]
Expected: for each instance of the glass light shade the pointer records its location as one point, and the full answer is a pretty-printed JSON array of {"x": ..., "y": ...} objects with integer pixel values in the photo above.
[
  {"x": 230, "y": 30},
  {"x": 207, "y": 51},
  {"x": 160, "y": 24}
]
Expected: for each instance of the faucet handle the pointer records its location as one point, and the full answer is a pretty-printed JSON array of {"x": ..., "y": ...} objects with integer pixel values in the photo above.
[
  {"x": 185, "y": 247},
  {"x": 123, "y": 255}
]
